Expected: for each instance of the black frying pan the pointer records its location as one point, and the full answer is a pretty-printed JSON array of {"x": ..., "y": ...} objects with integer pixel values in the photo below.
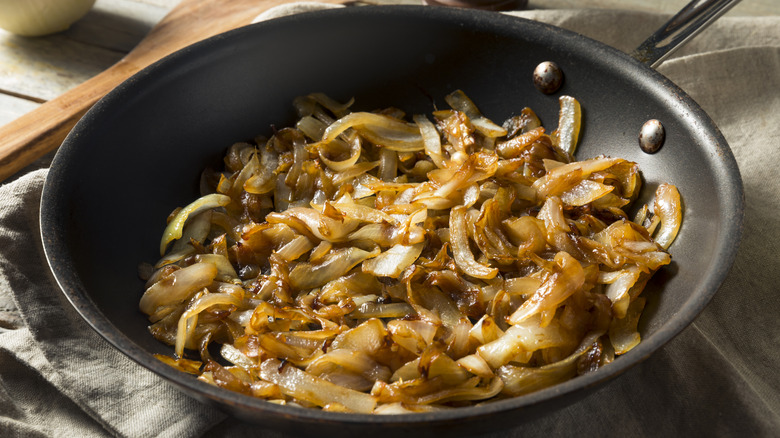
[{"x": 139, "y": 152}]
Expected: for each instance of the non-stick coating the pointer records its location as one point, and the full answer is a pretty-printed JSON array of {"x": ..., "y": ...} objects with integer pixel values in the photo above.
[{"x": 138, "y": 154}]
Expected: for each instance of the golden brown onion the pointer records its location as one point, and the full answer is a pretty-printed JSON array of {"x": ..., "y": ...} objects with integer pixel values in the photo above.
[{"x": 362, "y": 262}]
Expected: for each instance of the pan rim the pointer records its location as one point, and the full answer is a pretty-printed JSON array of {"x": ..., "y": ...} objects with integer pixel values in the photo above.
[{"x": 64, "y": 273}]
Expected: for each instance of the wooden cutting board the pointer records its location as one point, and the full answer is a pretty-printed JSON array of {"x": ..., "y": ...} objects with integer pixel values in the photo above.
[{"x": 42, "y": 130}]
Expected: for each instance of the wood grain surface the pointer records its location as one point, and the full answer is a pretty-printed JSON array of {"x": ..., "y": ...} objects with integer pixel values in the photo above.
[{"x": 40, "y": 131}]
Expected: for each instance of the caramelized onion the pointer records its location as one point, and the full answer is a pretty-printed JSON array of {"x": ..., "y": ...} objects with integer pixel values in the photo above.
[
  {"x": 567, "y": 134},
  {"x": 174, "y": 229},
  {"x": 668, "y": 208},
  {"x": 361, "y": 262},
  {"x": 461, "y": 252},
  {"x": 178, "y": 286},
  {"x": 304, "y": 386}
]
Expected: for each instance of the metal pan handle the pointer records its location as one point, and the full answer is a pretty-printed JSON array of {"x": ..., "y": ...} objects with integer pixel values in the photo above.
[{"x": 691, "y": 20}]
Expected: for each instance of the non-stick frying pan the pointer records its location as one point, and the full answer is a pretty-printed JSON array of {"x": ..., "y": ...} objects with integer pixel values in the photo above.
[{"x": 139, "y": 153}]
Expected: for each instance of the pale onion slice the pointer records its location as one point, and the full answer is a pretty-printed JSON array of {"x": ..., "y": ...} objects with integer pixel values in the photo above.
[
  {"x": 515, "y": 146},
  {"x": 429, "y": 391},
  {"x": 413, "y": 335},
  {"x": 623, "y": 332},
  {"x": 433, "y": 202},
  {"x": 339, "y": 166},
  {"x": 471, "y": 195},
  {"x": 364, "y": 213},
  {"x": 189, "y": 318},
  {"x": 282, "y": 193},
  {"x": 196, "y": 229},
  {"x": 267, "y": 317},
  {"x": 174, "y": 229},
  {"x": 585, "y": 192},
  {"x": 358, "y": 170},
  {"x": 527, "y": 336},
  {"x": 552, "y": 215},
  {"x": 641, "y": 216},
  {"x": 295, "y": 248},
  {"x": 368, "y": 337},
  {"x": 388, "y": 164},
  {"x": 335, "y": 264},
  {"x": 225, "y": 270},
  {"x": 566, "y": 136},
  {"x": 251, "y": 168},
  {"x": 556, "y": 227},
  {"x": 377, "y": 185},
  {"x": 320, "y": 225},
  {"x": 520, "y": 380},
  {"x": 405, "y": 408},
  {"x": 562, "y": 178},
  {"x": 312, "y": 127},
  {"x": 522, "y": 123},
  {"x": 264, "y": 179},
  {"x": 668, "y": 207},
  {"x": 408, "y": 371},
  {"x": 618, "y": 285},
  {"x": 527, "y": 233},
  {"x": 178, "y": 286},
  {"x": 290, "y": 347},
  {"x": 355, "y": 362},
  {"x": 235, "y": 356},
  {"x": 461, "y": 252},
  {"x": 394, "y": 261},
  {"x": 485, "y": 330},
  {"x": 337, "y": 108},
  {"x": 304, "y": 386},
  {"x": 552, "y": 164},
  {"x": 376, "y": 310},
  {"x": 380, "y": 129},
  {"x": 421, "y": 303},
  {"x": 460, "y": 102},
  {"x": 477, "y": 167},
  {"x": 458, "y": 343},
  {"x": 354, "y": 284},
  {"x": 474, "y": 364},
  {"x": 436, "y": 364},
  {"x": 431, "y": 139},
  {"x": 385, "y": 235},
  {"x": 567, "y": 278}
]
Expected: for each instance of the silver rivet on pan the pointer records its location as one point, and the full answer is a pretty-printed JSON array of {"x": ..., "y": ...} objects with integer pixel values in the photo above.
[
  {"x": 651, "y": 137},
  {"x": 548, "y": 77}
]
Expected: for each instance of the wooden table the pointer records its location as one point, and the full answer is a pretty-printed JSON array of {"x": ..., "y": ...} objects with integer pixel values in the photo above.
[{"x": 34, "y": 70}]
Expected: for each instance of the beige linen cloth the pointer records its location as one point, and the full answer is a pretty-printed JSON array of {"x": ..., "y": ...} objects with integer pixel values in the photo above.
[{"x": 720, "y": 377}]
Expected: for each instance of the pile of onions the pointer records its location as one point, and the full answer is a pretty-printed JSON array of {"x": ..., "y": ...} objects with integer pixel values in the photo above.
[{"x": 374, "y": 263}]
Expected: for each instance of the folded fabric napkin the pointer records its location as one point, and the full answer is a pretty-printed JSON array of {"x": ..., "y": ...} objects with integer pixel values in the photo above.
[{"x": 718, "y": 378}]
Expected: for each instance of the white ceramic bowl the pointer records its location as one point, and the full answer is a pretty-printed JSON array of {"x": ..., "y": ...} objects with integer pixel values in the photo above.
[{"x": 41, "y": 17}]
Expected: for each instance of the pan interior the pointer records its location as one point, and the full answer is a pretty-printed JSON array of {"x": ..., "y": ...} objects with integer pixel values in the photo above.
[{"x": 138, "y": 154}]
